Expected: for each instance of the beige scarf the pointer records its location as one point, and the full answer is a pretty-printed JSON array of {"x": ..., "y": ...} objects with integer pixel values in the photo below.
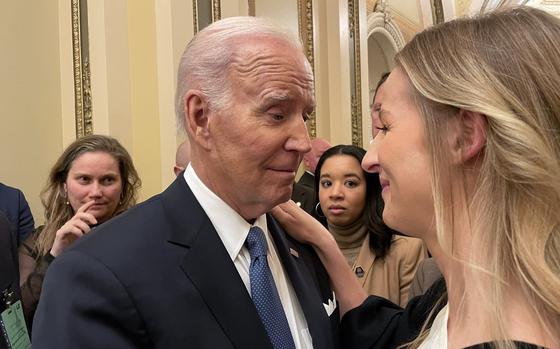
[{"x": 349, "y": 239}]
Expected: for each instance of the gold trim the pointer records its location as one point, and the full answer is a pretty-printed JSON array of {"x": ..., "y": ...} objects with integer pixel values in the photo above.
[
  {"x": 216, "y": 10},
  {"x": 437, "y": 12},
  {"x": 305, "y": 24},
  {"x": 82, "y": 76},
  {"x": 355, "y": 68},
  {"x": 251, "y": 9},
  {"x": 195, "y": 15}
]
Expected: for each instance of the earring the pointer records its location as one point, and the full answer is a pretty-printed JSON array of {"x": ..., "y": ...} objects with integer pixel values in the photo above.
[{"x": 318, "y": 210}]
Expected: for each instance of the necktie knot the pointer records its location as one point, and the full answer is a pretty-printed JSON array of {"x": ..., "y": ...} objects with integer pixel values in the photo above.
[{"x": 256, "y": 243}]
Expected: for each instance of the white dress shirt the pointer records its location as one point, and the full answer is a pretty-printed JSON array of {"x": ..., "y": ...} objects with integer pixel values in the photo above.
[{"x": 233, "y": 231}]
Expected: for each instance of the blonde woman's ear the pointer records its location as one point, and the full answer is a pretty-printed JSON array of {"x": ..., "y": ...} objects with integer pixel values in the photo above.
[{"x": 468, "y": 136}]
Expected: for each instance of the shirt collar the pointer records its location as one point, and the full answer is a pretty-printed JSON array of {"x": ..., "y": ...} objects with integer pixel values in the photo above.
[{"x": 231, "y": 227}]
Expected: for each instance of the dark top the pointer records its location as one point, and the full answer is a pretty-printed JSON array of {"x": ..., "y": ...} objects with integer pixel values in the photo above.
[
  {"x": 31, "y": 288},
  {"x": 9, "y": 271},
  {"x": 379, "y": 324},
  {"x": 16, "y": 208}
]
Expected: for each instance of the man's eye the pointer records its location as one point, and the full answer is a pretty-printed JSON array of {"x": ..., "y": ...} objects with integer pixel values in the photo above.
[
  {"x": 383, "y": 129},
  {"x": 277, "y": 117}
]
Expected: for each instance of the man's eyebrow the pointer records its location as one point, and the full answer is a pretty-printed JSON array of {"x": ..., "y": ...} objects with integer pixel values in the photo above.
[{"x": 276, "y": 97}]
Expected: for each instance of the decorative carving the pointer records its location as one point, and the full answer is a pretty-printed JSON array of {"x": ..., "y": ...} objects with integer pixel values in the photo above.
[
  {"x": 195, "y": 15},
  {"x": 355, "y": 69},
  {"x": 437, "y": 12},
  {"x": 216, "y": 15},
  {"x": 252, "y": 8},
  {"x": 216, "y": 10},
  {"x": 305, "y": 23},
  {"x": 82, "y": 75}
]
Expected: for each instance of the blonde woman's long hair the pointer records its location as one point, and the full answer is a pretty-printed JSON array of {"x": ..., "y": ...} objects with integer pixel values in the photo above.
[
  {"x": 506, "y": 66},
  {"x": 53, "y": 197}
]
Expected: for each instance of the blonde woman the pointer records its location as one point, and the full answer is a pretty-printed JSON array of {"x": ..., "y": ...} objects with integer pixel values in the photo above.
[
  {"x": 93, "y": 180},
  {"x": 467, "y": 148}
]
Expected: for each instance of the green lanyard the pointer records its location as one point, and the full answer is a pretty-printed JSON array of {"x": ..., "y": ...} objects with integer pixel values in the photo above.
[{"x": 12, "y": 322}]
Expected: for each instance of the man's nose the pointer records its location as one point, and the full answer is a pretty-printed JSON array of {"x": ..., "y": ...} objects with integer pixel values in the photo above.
[
  {"x": 370, "y": 162},
  {"x": 299, "y": 140}
]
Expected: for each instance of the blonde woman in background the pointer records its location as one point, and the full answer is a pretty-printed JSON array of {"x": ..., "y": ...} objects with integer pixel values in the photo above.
[
  {"x": 92, "y": 181},
  {"x": 467, "y": 147}
]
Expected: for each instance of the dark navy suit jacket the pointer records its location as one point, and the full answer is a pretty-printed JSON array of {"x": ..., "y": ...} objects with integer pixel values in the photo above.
[
  {"x": 16, "y": 208},
  {"x": 9, "y": 271},
  {"x": 158, "y": 276}
]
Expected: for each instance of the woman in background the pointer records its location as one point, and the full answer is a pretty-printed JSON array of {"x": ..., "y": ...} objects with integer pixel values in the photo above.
[
  {"x": 92, "y": 181},
  {"x": 350, "y": 200}
]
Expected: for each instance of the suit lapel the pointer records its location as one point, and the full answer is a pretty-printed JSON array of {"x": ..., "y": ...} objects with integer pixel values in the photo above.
[
  {"x": 210, "y": 269},
  {"x": 302, "y": 281}
]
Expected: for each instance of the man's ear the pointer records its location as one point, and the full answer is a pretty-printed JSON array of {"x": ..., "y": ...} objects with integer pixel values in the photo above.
[
  {"x": 471, "y": 136},
  {"x": 196, "y": 113}
]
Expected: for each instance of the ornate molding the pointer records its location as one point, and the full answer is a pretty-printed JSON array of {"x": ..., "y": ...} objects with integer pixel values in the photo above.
[
  {"x": 82, "y": 76},
  {"x": 195, "y": 15},
  {"x": 355, "y": 69},
  {"x": 305, "y": 23},
  {"x": 252, "y": 11},
  {"x": 216, "y": 15},
  {"x": 437, "y": 11},
  {"x": 216, "y": 10}
]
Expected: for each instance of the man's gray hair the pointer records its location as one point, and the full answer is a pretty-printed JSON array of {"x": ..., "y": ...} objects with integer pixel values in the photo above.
[{"x": 206, "y": 59}]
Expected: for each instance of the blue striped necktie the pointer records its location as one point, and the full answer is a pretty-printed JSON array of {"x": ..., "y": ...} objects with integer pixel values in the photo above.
[{"x": 264, "y": 293}]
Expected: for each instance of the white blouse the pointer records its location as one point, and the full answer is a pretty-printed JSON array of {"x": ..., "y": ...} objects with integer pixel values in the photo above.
[{"x": 437, "y": 338}]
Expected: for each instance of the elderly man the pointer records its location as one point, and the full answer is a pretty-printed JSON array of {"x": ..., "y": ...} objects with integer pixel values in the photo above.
[{"x": 202, "y": 265}]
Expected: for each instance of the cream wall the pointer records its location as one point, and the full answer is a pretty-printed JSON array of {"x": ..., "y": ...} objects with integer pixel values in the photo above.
[{"x": 30, "y": 96}]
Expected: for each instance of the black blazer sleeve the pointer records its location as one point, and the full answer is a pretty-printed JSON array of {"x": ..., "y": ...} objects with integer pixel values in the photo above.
[
  {"x": 380, "y": 324},
  {"x": 81, "y": 293}
]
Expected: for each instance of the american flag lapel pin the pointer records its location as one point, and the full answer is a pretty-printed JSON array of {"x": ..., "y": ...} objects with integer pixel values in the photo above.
[{"x": 294, "y": 252}]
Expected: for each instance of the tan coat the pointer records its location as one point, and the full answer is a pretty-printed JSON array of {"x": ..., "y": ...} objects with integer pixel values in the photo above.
[{"x": 390, "y": 277}]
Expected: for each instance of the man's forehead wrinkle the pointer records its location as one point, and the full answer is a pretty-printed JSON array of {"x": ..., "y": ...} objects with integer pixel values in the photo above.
[{"x": 255, "y": 65}]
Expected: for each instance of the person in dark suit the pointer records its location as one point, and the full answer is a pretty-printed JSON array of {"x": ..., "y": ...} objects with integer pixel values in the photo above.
[
  {"x": 304, "y": 197},
  {"x": 16, "y": 209},
  {"x": 9, "y": 272},
  {"x": 310, "y": 159},
  {"x": 186, "y": 267},
  {"x": 304, "y": 189}
]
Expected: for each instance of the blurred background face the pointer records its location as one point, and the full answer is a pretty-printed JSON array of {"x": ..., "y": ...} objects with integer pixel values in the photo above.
[
  {"x": 318, "y": 147},
  {"x": 400, "y": 156},
  {"x": 94, "y": 176},
  {"x": 342, "y": 190}
]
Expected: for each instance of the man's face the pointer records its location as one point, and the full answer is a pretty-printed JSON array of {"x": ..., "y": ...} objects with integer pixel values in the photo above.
[{"x": 258, "y": 142}]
